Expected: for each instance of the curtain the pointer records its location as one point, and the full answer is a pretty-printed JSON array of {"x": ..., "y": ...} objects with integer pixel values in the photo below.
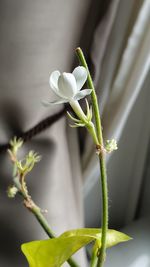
[
  {"x": 36, "y": 39},
  {"x": 121, "y": 57}
]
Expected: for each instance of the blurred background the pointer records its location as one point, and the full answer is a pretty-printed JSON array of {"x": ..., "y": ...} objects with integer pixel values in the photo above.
[{"x": 38, "y": 37}]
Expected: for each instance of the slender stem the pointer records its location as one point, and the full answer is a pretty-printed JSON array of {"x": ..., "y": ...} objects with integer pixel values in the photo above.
[
  {"x": 90, "y": 127},
  {"x": 93, "y": 95},
  {"x": 93, "y": 262},
  {"x": 30, "y": 205},
  {"x": 102, "y": 252},
  {"x": 20, "y": 183},
  {"x": 43, "y": 222}
]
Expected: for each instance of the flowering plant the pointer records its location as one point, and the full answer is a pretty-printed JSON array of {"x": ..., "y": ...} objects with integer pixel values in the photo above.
[{"x": 56, "y": 250}]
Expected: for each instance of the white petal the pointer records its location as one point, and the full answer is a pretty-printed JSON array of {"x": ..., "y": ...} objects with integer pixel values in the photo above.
[
  {"x": 82, "y": 94},
  {"x": 80, "y": 74},
  {"x": 67, "y": 87},
  {"x": 49, "y": 103},
  {"x": 53, "y": 80}
]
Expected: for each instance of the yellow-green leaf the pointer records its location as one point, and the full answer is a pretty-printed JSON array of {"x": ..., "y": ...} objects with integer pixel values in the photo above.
[{"x": 54, "y": 252}]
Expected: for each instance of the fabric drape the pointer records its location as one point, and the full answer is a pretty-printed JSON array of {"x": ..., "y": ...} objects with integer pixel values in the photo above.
[
  {"x": 36, "y": 39},
  {"x": 121, "y": 56}
]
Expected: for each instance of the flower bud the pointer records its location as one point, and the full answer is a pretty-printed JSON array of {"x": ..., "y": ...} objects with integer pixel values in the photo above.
[
  {"x": 111, "y": 145},
  {"x": 12, "y": 191}
]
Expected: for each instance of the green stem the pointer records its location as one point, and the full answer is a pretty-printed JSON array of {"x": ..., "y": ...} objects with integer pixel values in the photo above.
[
  {"x": 43, "y": 222},
  {"x": 102, "y": 252},
  {"x": 93, "y": 95},
  {"x": 91, "y": 129},
  {"x": 93, "y": 262},
  {"x": 30, "y": 205}
]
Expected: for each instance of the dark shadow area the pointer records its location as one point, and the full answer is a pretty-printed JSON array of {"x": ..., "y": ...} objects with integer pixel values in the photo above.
[
  {"x": 11, "y": 118},
  {"x": 96, "y": 12}
]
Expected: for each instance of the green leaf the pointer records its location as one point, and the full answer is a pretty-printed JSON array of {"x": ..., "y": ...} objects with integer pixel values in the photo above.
[{"x": 54, "y": 252}]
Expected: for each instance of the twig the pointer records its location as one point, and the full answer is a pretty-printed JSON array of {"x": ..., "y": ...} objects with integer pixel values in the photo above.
[{"x": 20, "y": 184}]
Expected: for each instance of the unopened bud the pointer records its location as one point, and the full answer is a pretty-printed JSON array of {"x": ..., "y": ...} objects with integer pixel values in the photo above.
[
  {"x": 12, "y": 191},
  {"x": 111, "y": 145}
]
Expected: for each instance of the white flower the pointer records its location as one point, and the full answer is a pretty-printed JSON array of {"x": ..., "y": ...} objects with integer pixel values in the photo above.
[{"x": 67, "y": 86}]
